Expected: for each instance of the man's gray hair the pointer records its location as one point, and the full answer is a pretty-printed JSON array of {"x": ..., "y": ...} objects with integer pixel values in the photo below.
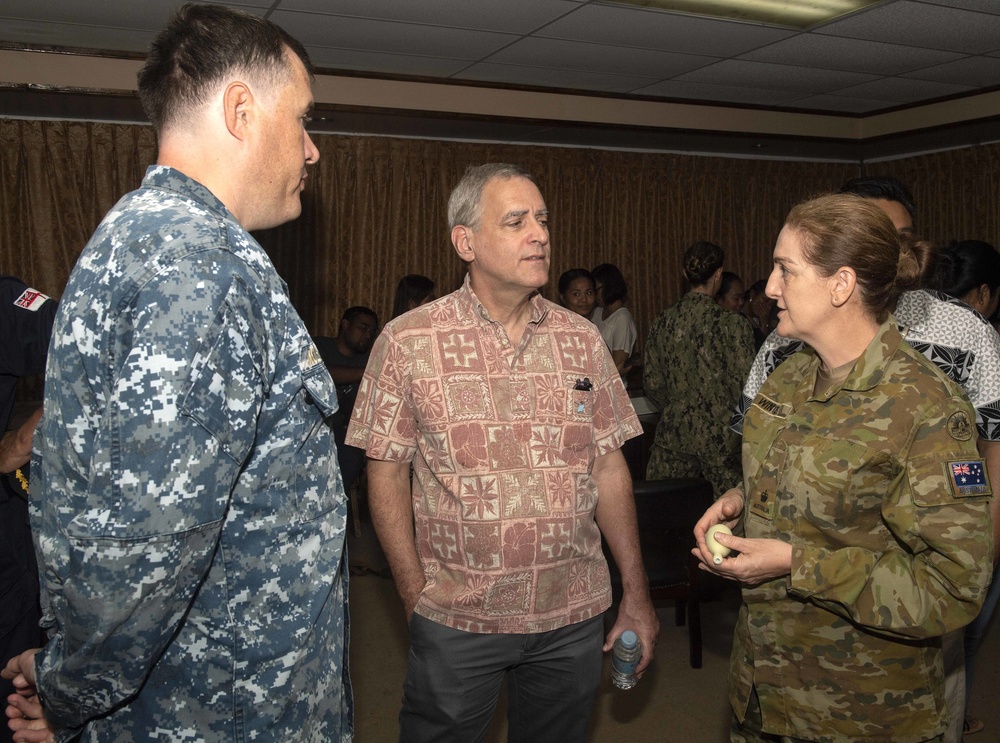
[{"x": 465, "y": 205}]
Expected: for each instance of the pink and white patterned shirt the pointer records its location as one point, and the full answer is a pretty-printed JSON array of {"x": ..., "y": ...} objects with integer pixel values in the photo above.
[{"x": 502, "y": 441}]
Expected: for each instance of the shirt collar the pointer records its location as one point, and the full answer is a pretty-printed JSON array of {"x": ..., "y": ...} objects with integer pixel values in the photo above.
[{"x": 475, "y": 309}]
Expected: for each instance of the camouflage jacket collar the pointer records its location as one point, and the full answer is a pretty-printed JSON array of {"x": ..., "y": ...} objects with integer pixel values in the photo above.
[
  {"x": 170, "y": 179},
  {"x": 869, "y": 368},
  {"x": 693, "y": 296}
]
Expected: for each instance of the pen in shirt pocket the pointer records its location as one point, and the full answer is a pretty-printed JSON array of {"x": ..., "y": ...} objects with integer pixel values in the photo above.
[{"x": 582, "y": 385}]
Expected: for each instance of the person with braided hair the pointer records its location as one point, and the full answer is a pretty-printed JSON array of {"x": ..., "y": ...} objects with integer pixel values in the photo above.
[{"x": 697, "y": 356}]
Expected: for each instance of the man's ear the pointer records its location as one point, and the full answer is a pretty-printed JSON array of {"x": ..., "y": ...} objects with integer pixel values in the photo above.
[
  {"x": 238, "y": 104},
  {"x": 843, "y": 283},
  {"x": 461, "y": 238}
]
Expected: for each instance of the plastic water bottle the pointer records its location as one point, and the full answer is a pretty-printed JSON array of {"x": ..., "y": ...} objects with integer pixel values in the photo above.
[{"x": 624, "y": 658}]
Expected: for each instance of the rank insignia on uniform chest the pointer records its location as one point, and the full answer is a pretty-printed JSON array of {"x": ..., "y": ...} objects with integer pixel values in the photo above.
[{"x": 762, "y": 504}]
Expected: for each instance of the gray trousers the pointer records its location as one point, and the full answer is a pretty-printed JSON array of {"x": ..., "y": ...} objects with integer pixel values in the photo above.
[{"x": 453, "y": 681}]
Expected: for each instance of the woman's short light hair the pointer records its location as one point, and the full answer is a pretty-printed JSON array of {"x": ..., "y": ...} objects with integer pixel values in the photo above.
[{"x": 465, "y": 205}]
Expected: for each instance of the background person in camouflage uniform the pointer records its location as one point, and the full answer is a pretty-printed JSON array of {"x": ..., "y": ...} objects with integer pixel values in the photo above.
[
  {"x": 189, "y": 514},
  {"x": 863, "y": 502},
  {"x": 697, "y": 356}
]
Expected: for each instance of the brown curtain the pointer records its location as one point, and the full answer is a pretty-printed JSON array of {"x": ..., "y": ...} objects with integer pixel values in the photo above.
[
  {"x": 57, "y": 180},
  {"x": 375, "y": 209},
  {"x": 957, "y": 192}
]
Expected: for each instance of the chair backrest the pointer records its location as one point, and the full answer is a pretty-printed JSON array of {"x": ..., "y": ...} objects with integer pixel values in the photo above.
[
  {"x": 671, "y": 504},
  {"x": 667, "y": 511}
]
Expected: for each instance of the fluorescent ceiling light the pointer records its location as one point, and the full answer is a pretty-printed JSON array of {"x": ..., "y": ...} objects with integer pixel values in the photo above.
[{"x": 793, "y": 13}]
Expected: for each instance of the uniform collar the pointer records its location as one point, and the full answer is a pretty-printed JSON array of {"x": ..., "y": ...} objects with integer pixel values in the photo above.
[
  {"x": 870, "y": 367},
  {"x": 170, "y": 179}
]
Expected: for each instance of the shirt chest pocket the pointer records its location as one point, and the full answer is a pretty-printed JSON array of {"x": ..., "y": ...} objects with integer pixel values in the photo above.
[
  {"x": 226, "y": 382},
  {"x": 840, "y": 484},
  {"x": 316, "y": 487},
  {"x": 319, "y": 390}
]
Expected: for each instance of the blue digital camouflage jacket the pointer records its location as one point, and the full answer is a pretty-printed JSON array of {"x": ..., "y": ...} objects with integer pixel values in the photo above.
[{"x": 188, "y": 510}]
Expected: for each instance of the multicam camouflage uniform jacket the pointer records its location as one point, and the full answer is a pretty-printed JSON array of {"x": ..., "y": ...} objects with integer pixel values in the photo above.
[
  {"x": 697, "y": 356},
  {"x": 878, "y": 486},
  {"x": 189, "y": 515}
]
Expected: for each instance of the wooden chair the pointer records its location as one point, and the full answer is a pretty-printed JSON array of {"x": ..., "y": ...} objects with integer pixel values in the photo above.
[{"x": 667, "y": 511}]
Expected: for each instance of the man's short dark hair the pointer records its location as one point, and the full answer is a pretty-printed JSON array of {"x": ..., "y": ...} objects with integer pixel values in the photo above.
[
  {"x": 357, "y": 311},
  {"x": 199, "y": 47},
  {"x": 882, "y": 187}
]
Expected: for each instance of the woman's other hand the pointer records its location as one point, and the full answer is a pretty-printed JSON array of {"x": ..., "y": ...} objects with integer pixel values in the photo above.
[{"x": 752, "y": 560}]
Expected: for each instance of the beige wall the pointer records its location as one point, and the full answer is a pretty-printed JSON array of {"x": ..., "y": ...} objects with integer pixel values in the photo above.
[{"x": 74, "y": 71}]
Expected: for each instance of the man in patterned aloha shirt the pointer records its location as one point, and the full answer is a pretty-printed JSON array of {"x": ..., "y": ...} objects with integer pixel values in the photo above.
[{"x": 512, "y": 414}]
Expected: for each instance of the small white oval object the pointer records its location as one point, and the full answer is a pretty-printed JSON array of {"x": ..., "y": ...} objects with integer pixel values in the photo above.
[{"x": 718, "y": 551}]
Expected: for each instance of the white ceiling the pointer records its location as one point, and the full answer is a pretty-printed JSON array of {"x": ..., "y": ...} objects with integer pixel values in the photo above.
[{"x": 894, "y": 54}]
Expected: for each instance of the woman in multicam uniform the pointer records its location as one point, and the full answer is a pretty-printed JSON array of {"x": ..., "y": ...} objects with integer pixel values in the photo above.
[{"x": 864, "y": 508}]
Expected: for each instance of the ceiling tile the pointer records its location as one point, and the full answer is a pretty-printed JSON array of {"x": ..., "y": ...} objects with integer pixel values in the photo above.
[
  {"x": 387, "y": 36},
  {"x": 980, "y": 72},
  {"x": 551, "y": 78},
  {"x": 138, "y": 14},
  {"x": 775, "y": 76},
  {"x": 922, "y": 25},
  {"x": 725, "y": 93},
  {"x": 671, "y": 32},
  {"x": 569, "y": 55},
  {"x": 983, "y": 6},
  {"x": 903, "y": 90},
  {"x": 899, "y": 52},
  {"x": 510, "y": 16},
  {"x": 854, "y": 55},
  {"x": 83, "y": 37}
]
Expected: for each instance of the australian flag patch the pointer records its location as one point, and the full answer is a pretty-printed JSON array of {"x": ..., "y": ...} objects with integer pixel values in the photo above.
[{"x": 969, "y": 478}]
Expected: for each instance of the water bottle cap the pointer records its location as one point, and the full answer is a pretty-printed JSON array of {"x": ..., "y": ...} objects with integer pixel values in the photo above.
[{"x": 629, "y": 638}]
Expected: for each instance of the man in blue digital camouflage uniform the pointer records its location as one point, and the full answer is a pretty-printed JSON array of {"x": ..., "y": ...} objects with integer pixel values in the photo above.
[{"x": 189, "y": 513}]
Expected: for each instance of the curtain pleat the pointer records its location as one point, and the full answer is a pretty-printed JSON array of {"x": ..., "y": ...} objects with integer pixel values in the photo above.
[
  {"x": 375, "y": 209},
  {"x": 957, "y": 192}
]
